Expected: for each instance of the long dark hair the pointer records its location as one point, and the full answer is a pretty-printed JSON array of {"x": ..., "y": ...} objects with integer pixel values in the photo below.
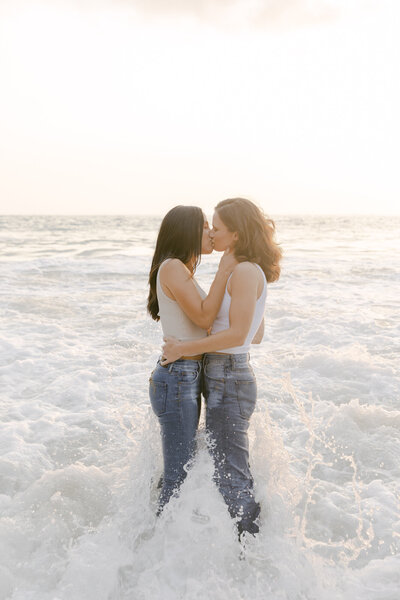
[
  {"x": 256, "y": 234},
  {"x": 180, "y": 236}
]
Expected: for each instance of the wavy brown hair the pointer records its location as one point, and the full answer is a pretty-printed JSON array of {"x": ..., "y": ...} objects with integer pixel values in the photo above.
[
  {"x": 256, "y": 235},
  {"x": 180, "y": 236}
]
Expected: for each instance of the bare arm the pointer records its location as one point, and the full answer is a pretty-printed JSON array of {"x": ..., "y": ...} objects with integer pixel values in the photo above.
[
  {"x": 257, "y": 339},
  {"x": 176, "y": 278},
  {"x": 244, "y": 296}
]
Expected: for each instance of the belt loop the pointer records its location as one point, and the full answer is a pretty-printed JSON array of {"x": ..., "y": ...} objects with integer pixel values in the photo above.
[{"x": 170, "y": 367}]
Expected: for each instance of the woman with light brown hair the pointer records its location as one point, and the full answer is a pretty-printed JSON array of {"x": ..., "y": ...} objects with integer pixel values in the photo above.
[{"x": 229, "y": 383}]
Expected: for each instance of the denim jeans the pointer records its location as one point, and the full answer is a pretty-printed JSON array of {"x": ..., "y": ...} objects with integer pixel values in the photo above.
[
  {"x": 175, "y": 398},
  {"x": 230, "y": 391}
]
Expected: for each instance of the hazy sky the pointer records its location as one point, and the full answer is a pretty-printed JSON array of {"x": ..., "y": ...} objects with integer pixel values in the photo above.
[{"x": 137, "y": 105}]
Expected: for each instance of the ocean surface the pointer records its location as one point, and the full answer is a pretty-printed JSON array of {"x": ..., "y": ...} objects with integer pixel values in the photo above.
[{"x": 80, "y": 451}]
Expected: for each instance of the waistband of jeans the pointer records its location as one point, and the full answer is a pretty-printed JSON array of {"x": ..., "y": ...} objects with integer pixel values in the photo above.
[
  {"x": 181, "y": 362},
  {"x": 229, "y": 359}
]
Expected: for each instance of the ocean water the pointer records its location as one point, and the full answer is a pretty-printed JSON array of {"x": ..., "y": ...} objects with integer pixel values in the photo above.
[{"x": 79, "y": 446}]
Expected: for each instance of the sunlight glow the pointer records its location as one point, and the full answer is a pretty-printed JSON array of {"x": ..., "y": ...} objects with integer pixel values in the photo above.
[{"x": 109, "y": 111}]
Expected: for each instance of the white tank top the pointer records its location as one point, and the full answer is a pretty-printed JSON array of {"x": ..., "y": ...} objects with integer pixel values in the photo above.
[
  {"x": 174, "y": 322},
  {"x": 222, "y": 320}
]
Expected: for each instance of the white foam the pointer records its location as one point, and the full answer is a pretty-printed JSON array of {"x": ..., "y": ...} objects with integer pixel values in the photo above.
[{"x": 80, "y": 451}]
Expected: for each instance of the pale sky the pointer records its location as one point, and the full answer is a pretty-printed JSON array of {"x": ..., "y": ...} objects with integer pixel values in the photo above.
[{"x": 135, "y": 106}]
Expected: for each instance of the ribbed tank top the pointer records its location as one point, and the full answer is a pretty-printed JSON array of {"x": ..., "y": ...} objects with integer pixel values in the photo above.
[
  {"x": 174, "y": 322},
  {"x": 222, "y": 319}
]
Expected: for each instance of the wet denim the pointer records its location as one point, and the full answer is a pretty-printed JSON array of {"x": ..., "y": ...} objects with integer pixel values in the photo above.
[
  {"x": 230, "y": 391},
  {"x": 175, "y": 398}
]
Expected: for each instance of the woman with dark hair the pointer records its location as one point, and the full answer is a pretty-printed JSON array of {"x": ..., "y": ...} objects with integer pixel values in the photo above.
[
  {"x": 229, "y": 382},
  {"x": 186, "y": 312}
]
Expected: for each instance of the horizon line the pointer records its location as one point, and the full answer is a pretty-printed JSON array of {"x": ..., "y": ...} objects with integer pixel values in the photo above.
[{"x": 283, "y": 214}]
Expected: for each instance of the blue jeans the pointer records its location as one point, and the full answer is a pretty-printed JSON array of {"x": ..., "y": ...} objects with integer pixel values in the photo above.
[
  {"x": 175, "y": 398},
  {"x": 230, "y": 391}
]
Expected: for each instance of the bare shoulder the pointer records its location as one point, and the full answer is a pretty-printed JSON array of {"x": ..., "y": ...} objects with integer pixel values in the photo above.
[
  {"x": 245, "y": 271},
  {"x": 174, "y": 268},
  {"x": 171, "y": 264}
]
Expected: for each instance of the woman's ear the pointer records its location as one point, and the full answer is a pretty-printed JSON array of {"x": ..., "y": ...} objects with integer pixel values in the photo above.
[{"x": 235, "y": 236}]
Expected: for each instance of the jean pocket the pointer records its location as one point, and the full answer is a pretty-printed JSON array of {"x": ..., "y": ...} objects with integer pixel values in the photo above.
[
  {"x": 189, "y": 375},
  {"x": 158, "y": 396},
  {"x": 244, "y": 372},
  {"x": 247, "y": 396},
  {"x": 214, "y": 371}
]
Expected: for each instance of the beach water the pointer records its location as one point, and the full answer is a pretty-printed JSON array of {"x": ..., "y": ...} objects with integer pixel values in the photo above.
[{"x": 80, "y": 452}]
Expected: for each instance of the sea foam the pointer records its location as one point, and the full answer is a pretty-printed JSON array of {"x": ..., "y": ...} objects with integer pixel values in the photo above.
[{"x": 80, "y": 453}]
